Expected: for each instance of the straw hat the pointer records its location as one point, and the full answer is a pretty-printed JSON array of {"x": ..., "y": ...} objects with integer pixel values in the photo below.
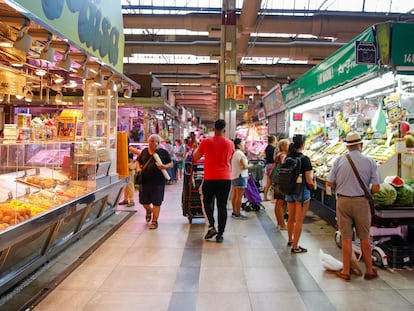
[{"x": 353, "y": 138}]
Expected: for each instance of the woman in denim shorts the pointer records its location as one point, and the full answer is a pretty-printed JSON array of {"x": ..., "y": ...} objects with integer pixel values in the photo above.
[
  {"x": 298, "y": 204},
  {"x": 239, "y": 175}
]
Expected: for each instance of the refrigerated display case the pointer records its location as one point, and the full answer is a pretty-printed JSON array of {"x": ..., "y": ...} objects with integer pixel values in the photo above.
[{"x": 52, "y": 195}]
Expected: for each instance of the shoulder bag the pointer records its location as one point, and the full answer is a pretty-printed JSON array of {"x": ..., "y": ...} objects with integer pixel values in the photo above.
[
  {"x": 138, "y": 175},
  {"x": 366, "y": 193}
]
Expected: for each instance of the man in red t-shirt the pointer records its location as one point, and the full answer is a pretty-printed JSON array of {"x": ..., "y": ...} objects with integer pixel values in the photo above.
[{"x": 217, "y": 151}]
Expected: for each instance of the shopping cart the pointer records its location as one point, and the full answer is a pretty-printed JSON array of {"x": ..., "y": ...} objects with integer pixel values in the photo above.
[
  {"x": 258, "y": 171},
  {"x": 252, "y": 195},
  {"x": 191, "y": 201}
]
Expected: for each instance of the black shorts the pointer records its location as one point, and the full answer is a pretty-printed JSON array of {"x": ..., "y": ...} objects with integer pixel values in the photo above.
[{"x": 151, "y": 194}]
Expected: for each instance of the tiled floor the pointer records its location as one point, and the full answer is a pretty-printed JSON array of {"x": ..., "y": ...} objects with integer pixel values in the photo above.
[{"x": 174, "y": 268}]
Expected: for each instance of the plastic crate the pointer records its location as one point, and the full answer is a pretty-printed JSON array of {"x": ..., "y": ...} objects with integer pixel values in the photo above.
[{"x": 398, "y": 250}]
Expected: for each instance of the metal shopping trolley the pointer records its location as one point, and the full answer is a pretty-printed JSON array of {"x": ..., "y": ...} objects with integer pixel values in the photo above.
[{"x": 191, "y": 201}]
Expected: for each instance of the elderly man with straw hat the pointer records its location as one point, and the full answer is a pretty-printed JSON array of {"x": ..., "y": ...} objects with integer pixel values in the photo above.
[{"x": 352, "y": 206}]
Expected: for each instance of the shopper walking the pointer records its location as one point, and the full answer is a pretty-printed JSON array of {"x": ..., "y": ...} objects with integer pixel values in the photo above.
[
  {"x": 280, "y": 202},
  {"x": 269, "y": 160},
  {"x": 179, "y": 150},
  {"x": 151, "y": 192},
  {"x": 217, "y": 151},
  {"x": 239, "y": 175},
  {"x": 298, "y": 204},
  {"x": 352, "y": 208}
]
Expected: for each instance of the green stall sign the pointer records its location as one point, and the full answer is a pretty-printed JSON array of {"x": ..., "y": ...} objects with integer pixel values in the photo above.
[{"x": 336, "y": 70}]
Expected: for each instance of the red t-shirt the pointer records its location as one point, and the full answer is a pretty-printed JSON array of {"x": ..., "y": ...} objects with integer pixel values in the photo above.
[{"x": 217, "y": 151}]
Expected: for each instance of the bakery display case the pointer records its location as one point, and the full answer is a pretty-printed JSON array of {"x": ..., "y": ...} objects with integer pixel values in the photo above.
[{"x": 52, "y": 194}]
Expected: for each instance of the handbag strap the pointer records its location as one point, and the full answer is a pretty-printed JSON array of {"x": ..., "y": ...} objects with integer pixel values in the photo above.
[
  {"x": 367, "y": 194},
  {"x": 146, "y": 163}
]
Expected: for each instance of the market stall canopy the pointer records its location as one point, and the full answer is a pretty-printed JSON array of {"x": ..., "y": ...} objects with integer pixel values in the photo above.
[{"x": 381, "y": 48}]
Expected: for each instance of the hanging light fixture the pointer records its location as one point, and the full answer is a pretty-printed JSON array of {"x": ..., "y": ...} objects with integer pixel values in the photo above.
[
  {"x": 99, "y": 78},
  {"x": 28, "y": 96},
  {"x": 58, "y": 97},
  {"x": 40, "y": 72},
  {"x": 24, "y": 40},
  {"x": 65, "y": 62},
  {"x": 48, "y": 53},
  {"x": 128, "y": 92},
  {"x": 21, "y": 93},
  {"x": 58, "y": 79},
  {"x": 83, "y": 70}
]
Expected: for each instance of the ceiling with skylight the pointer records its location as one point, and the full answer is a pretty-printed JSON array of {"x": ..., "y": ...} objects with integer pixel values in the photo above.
[{"x": 178, "y": 42}]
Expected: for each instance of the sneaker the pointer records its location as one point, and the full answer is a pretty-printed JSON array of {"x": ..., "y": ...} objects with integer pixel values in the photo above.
[
  {"x": 131, "y": 204},
  {"x": 210, "y": 233},
  {"x": 298, "y": 250},
  {"x": 124, "y": 202},
  {"x": 219, "y": 238},
  {"x": 238, "y": 216}
]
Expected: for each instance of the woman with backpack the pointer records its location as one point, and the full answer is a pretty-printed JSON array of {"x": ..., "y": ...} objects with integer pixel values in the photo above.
[
  {"x": 299, "y": 202},
  {"x": 278, "y": 195}
]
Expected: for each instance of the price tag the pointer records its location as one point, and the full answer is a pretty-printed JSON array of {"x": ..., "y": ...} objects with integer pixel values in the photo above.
[
  {"x": 400, "y": 145},
  {"x": 10, "y": 195},
  {"x": 27, "y": 190}
]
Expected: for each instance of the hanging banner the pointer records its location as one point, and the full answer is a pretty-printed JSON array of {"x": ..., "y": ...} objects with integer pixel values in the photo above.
[
  {"x": 229, "y": 91},
  {"x": 239, "y": 92},
  {"x": 91, "y": 25}
]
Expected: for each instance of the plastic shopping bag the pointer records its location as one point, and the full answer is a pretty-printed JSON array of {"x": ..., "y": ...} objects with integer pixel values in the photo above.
[{"x": 329, "y": 262}]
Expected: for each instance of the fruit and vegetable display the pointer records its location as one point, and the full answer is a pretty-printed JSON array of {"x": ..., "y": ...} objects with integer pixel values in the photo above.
[{"x": 395, "y": 191}]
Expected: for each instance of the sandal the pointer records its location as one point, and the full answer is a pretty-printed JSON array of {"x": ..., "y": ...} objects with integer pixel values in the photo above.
[
  {"x": 154, "y": 225},
  {"x": 298, "y": 250},
  {"x": 343, "y": 276},
  {"x": 148, "y": 216}
]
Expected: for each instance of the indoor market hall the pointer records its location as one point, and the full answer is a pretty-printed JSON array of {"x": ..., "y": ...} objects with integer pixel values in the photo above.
[{"x": 174, "y": 268}]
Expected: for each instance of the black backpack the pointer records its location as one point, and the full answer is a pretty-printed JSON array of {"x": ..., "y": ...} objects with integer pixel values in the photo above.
[{"x": 289, "y": 172}]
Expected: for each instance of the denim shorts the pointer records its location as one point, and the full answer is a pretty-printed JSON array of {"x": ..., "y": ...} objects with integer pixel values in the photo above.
[
  {"x": 298, "y": 197},
  {"x": 239, "y": 182}
]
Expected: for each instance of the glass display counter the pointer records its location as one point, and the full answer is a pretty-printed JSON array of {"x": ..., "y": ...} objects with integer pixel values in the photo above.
[{"x": 53, "y": 192}]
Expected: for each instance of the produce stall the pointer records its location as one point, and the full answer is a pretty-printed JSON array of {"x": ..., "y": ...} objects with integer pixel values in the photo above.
[{"x": 367, "y": 87}]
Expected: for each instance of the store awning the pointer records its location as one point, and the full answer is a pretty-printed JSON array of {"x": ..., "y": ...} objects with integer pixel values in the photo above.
[{"x": 336, "y": 70}]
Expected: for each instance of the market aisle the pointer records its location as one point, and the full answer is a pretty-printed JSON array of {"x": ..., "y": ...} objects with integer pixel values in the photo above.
[{"x": 173, "y": 268}]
